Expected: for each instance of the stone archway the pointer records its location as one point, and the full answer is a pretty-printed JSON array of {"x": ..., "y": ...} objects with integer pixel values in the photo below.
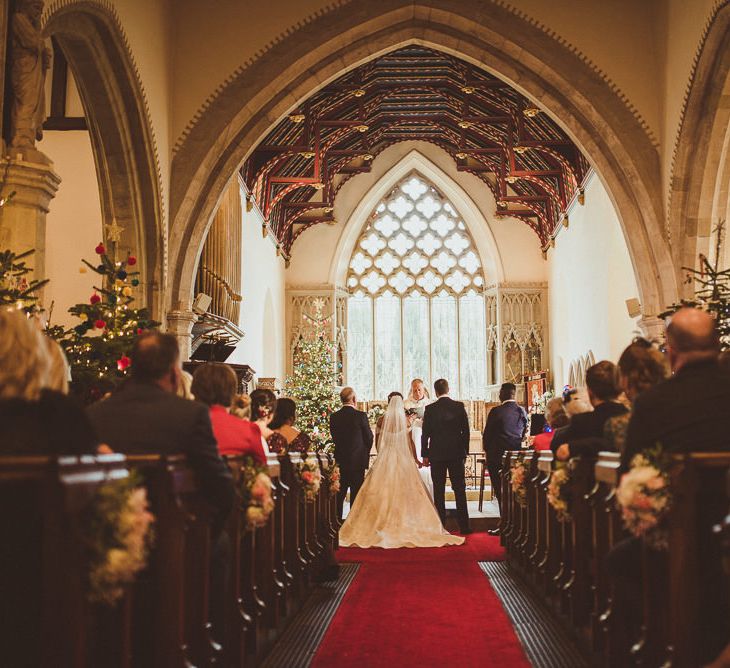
[
  {"x": 121, "y": 138},
  {"x": 700, "y": 184},
  {"x": 484, "y": 33}
]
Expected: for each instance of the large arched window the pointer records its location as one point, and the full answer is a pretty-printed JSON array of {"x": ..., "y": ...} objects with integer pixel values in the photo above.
[{"x": 416, "y": 306}]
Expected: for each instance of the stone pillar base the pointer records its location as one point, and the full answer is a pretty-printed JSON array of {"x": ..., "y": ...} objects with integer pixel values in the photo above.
[
  {"x": 23, "y": 217},
  {"x": 180, "y": 324}
]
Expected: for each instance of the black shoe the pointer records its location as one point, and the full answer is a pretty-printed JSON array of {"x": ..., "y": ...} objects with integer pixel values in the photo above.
[
  {"x": 493, "y": 532},
  {"x": 466, "y": 532}
]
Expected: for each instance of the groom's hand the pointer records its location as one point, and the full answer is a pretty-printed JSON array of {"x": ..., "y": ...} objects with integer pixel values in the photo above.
[{"x": 426, "y": 462}]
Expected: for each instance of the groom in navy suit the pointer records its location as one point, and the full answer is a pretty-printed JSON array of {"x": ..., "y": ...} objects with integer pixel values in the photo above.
[{"x": 444, "y": 447}]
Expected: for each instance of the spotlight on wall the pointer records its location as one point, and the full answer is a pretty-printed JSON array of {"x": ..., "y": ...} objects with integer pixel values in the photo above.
[
  {"x": 633, "y": 306},
  {"x": 202, "y": 303}
]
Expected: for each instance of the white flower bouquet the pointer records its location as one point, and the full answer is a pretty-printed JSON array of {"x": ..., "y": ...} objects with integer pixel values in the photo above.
[
  {"x": 518, "y": 480},
  {"x": 256, "y": 493},
  {"x": 557, "y": 493},
  {"x": 645, "y": 497},
  {"x": 310, "y": 478}
]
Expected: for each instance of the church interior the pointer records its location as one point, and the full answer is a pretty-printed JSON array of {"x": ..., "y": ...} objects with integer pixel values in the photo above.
[{"x": 327, "y": 196}]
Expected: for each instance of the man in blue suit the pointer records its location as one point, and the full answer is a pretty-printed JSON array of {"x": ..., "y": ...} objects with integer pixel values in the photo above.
[{"x": 505, "y": 428}]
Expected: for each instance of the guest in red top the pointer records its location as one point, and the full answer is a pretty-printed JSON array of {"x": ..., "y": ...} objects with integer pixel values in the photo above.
[
  {"x": 215, "y": 385},
  {"x": 555, "y": 417}
]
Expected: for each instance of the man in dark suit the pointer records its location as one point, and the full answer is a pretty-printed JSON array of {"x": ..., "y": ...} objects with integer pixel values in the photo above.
[
  {"x": 444, "y": 447},
  {"x": 353, "y": 440},
  {"x": 689, "y": 410},
  {"x": 505, "y": 429},
  {"x": 584, "y": 435},
  {"x": 146, "y": 416}
]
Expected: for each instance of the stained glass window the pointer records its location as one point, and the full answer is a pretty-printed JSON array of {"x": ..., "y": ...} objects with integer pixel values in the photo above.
[{"x": 416, "y": 308}]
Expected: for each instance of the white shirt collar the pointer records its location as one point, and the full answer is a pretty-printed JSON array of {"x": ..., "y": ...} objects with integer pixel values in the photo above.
[{"x": 506, "y": 401}]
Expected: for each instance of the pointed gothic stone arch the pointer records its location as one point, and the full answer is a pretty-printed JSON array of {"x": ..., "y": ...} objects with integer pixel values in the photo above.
[
  {"x": 700, "y": 184},
  {"x": 121, "y": 137},
  {"x": 484, "y": 33}
]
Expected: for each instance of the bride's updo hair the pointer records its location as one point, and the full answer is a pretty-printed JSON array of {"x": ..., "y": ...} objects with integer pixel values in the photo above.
[{"x": 394, "y": 394}]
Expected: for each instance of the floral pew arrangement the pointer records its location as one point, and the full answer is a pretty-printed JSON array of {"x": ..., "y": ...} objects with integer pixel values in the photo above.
[
  {"x": 310, "y": 477},
  {"x": 256, "y": 494}
]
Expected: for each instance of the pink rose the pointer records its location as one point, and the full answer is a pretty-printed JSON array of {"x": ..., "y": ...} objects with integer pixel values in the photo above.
[{"x": 307, "y": 476}]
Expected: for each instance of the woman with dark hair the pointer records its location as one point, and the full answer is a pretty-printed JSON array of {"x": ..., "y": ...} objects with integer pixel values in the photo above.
[
  {"x": 215, "y": 385},
  {"x": 283, "y": 425},
  {"x": 263, "y": 408},
  {"x": 556, "y": 418}
]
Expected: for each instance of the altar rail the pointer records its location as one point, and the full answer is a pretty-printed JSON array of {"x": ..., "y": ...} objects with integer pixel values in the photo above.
[
  {"x": 163, "y": 618},
  {"x": 683, "y": 596},
  {"x": 472, "y": 468}
]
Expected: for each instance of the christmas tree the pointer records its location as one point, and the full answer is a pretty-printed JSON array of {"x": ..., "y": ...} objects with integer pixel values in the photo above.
[
  {"x": 15, "y": 288},
  {"x": 712, "y": 290},
  {"x": 98, "y": 346},
  {"x": 312, "y": 385}
]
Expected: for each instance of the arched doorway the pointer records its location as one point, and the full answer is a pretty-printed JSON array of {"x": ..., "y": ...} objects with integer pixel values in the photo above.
[
  {"x": 517, "y": 51},
  {"x": 121, "y": 139}
]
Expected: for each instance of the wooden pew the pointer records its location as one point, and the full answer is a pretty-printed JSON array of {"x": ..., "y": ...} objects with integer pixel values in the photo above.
[
  {"x": 548, "y": 530},
  {"x": 296, "y": 562},
  {"x": 171, "y": 614},
  {"x": 47, "y": 619}
]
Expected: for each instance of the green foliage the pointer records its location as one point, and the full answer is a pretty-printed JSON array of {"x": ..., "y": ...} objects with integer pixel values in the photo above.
[
  {"x": 312, "y": 386},
  {"x": 712, "y": 290},
  {"x": 15, "y": 287},
  {"x": 98, "y": 346}
]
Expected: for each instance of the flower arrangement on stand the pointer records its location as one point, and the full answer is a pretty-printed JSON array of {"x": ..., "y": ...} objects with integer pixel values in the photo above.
[
  {"x": 518, "y": 480},
  {"x": 645, "y": 497},
  {"x": 331, "y": 475},
  {"x": 557, "y": 492},
  {"x": 118, "y": 536},
  {"x": 375, "y": 412},
  {"x": 98, "y": 346},
  {"x": 256, "y": 493},
  {"x": 310, "y": 478}
]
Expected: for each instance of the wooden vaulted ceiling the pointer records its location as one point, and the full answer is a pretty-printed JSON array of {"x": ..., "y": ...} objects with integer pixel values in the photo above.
[{"x": 415, "y": 93}]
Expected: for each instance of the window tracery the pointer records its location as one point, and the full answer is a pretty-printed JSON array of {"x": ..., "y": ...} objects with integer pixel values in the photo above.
[{"x": 416, "y": 307}]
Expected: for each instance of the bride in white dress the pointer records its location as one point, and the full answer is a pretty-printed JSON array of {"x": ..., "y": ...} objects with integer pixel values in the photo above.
[{"x": 393, "y": 508}]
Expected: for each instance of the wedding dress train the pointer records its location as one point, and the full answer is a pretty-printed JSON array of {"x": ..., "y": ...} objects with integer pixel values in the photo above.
[{"x": 393, "y": 508}]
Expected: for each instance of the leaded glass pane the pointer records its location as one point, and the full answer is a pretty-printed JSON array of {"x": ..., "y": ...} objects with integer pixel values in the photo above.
[
  {"x": 360, "y": 340},
  {"x": 444, "y": 356},
  {"x": 415, "y": 341},
  {"x": 387, "y": 345},
  {"x": 472, "y": 346}
]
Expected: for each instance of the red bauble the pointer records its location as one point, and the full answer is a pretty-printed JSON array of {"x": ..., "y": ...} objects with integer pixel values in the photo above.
[
  {"x": 100, "y": 250},
  {"x": 139, "y": 331},
  {"x": 123, "y": 363},
  {"x": 94, "y": 299},
  {"x": 100, "y": 324},
  {"x": 131, "y": 260}
]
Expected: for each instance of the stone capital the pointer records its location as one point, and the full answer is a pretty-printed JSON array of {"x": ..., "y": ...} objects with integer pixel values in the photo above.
[
  {"x": 23, "y": 215},
  {"x": 652, "y": 327},
  {"x": 180, "y": 325}
]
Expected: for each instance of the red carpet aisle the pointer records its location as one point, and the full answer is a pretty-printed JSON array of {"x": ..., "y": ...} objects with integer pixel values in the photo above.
[{"x": 421, "y": 607}]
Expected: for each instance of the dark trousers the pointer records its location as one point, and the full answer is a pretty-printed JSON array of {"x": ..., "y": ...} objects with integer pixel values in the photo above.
[
  {"x": 455, "y": 469},
  {"x": 495, "y": 476},
  {"x": 351, "y": 480}
]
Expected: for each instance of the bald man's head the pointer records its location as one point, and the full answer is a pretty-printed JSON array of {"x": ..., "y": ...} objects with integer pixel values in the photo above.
[
  {"x": 154, "y": 355},
  {"x": 691, "y": 335}
]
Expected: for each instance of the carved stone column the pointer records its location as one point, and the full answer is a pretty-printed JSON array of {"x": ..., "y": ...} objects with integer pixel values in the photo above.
[
  {"x": 180, "y": 324},
  {"x": 652, "y": 327},
  {"x": 23, "y": 217}
]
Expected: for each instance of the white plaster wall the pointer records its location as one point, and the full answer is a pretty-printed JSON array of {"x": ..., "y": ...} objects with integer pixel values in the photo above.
[
  {"x": 73, "y": 224},
  {"x": 263, "y": 310},
  {"x": 315, "y": 252},
  {"x": 590, "y": 279}
]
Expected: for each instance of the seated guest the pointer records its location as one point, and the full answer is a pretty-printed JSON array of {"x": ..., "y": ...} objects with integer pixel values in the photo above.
[
  {"x": 59, "y": 373},
  {"x": 584, "y": 434},
  {"x": 215, "y": 384},
  {"x": 283, "y": 423},
  {"x": 145, "y": 415},
  {"x": 556, "y": 418},
  {"x": 689, "y": 410},
  {"x": 34, "y": 418},
  {"x": 640, "y": 367},
  {"x": 263, "y": 407},
  {"x": 241, "y": 407}
]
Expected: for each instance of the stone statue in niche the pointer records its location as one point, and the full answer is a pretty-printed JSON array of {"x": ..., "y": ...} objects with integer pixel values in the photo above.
[{"x": 30, "y": 59}]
